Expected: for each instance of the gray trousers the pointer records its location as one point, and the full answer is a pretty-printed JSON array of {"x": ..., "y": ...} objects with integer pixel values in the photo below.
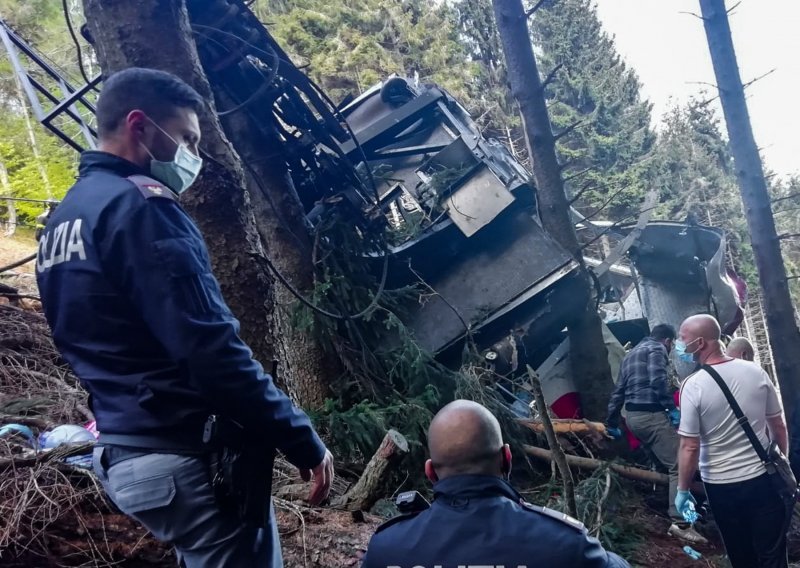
[
  {"x": 172, "y": 497},
  {"x": 655, "y": 431}
]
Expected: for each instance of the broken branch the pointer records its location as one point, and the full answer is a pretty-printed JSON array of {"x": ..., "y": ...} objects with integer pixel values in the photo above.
[
  {"x": 551, "y": 76},
  {"x": 558, "y": 453},
  {"x": 536, "y": 6},
  {"x": 369, "y": 487}
]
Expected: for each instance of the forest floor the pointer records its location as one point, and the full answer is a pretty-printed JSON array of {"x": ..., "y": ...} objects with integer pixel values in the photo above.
[{"x": 53, "y": 515}]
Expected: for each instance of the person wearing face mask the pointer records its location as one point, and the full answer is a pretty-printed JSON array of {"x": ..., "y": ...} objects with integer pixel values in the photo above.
[
  {"x": 477, "y": 518},
  {"x": 751, "y": 516},
  {"x": 643, "y": 387},
  {"x": 127, "y": 288}
]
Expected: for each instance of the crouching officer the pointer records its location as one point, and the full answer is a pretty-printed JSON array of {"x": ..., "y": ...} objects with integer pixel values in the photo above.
[
  {"x": 189, "y": 421},
  {"x": 477, "y": 518}
]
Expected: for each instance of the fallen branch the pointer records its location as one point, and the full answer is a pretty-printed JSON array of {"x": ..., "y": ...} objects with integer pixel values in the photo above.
[
  {"x": 567, "y": 426},
  {"x": 557, "y": 452},
  {"x": 38, "y": 458},
  {"x": 588, "y": 463},
  {"x": 25, "y": 260},
  {"x": 36, "y": 422}
]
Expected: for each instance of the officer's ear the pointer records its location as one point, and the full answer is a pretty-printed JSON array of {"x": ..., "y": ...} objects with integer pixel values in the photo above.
[
  {"x": 506, "y": 450},
  {"x": 136, "y": 123},
  {"x": 430, "y": 473}
]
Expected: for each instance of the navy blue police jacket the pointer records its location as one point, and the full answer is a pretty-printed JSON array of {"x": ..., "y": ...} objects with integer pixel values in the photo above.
[
  {"x": 127, "y": 288},
  {"x": 481, "y": 521}
]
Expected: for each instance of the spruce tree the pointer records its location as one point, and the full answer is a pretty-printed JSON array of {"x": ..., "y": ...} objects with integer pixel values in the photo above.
[{"x": 597, "y": 95}]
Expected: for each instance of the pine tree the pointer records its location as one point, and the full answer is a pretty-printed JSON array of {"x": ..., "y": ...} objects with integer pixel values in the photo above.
[{"x": 597, "y": 95}]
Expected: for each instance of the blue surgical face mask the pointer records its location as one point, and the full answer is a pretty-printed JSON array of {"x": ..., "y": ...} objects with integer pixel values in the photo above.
[
  {"x": 680, "y": 350},
  {"x": 180, "y": 173}
]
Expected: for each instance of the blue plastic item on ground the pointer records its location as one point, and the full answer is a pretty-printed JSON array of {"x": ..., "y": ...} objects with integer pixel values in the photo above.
[{"x": 692, "y": 552}]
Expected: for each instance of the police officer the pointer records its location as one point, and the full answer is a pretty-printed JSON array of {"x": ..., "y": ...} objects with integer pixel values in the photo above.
[
  {"x": 477, "y": 518},
  {"x": 127, "y": 288}
]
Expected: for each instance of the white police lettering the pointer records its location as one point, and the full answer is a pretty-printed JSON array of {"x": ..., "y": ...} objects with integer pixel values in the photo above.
[{"x": 62, "y": 244}]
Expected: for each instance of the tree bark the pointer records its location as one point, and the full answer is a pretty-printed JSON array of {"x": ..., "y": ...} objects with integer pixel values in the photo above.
[
  {"x": 370, "y": 486},
  {"x": 588, "y": 354},
  {"x": 280, "y": 222},
  {"x": 157, "y": 34},
  {"x": 783, "y": 332}
]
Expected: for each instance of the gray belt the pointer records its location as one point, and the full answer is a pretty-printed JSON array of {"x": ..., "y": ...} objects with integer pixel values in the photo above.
[{"x": 157, "y": 444}]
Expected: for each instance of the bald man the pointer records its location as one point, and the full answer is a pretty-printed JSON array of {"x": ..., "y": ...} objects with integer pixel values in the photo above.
[
  {"x": 477, "y": 519},
  {"x": 741, "y": 348},
  {"x": 751, "y": 517}
]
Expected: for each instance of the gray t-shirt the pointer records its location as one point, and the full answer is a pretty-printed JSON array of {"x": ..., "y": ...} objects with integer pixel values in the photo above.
[{"x": 726, "y": 455}]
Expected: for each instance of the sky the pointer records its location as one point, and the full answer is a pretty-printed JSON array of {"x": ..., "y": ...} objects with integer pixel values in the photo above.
[{"x": 667, "y": 48}]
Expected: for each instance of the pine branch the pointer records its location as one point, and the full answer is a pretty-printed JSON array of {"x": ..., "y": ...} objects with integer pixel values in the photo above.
[
  {"x": 583, "y": 190},
  {"x": 786, "y": 236},
  {"x": 698, "y": 16},
  {"x": 730, "y": 10},
  {"x": 551, "y": 76},
  {"x": 536, "y": 6},
  {"x": 770, "y": 72},
  {"x": 568, "y": 129},
  {"x": 790, "y": 196},
  {"x": 579, "y": 174}
]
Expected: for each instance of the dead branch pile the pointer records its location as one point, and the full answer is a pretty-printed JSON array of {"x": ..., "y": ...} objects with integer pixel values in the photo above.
[
  {"x": 55, "y": 514},
  {"x": 34, "y": 381}
]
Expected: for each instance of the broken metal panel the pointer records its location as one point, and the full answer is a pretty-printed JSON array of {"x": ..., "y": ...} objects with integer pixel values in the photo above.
[
  {"x": 679, "y": 272},
  {"x": 476, "y": 278}
]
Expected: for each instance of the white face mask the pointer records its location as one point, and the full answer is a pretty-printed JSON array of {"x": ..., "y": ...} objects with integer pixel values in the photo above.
[{"x": 180, "y": 173}]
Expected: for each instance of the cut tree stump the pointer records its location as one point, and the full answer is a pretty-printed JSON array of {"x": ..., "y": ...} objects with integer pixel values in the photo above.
[{"x": 370, "y": 487}]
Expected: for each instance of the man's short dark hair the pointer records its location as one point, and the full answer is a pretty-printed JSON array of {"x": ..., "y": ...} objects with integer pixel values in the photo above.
[
  {"x": 663, "y": 331},
  {"x": 155, "y": 92}
]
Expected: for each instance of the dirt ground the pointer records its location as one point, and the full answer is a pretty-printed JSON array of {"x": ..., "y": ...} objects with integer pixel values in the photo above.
[{"x": 16, "y": 248}]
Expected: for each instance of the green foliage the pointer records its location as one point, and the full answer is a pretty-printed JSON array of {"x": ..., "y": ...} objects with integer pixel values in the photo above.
[
  {"x": 597, "y": 94},
  {"x": 351, "y": 46},
  {"x": 23, "y": 169},
  {"x": 41, "y": 23},
  {"x": 694, "y": 173}
]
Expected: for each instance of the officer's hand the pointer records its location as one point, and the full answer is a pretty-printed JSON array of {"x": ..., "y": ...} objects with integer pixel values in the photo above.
[
  {"x": 682, "y": 500},
  {"x": 615, "y": 433},
  {"x": 323, "y": 477}
]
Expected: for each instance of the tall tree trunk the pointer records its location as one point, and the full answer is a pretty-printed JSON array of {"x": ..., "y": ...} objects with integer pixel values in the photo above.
[
  {"x": 157, "y": 34},
  {"x": 588, "y": 352},
  {"x": 783, "y": 331}
]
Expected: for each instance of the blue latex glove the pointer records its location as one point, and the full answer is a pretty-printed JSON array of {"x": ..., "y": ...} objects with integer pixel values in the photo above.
[
  {"x": 615, "y": 433},
  {"x": 675, "y": 417},
  {"x": 682, "y": 500}
]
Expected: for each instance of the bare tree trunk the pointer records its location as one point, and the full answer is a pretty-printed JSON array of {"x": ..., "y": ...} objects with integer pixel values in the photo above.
[
  {"x": 588, "y": 352},
  {"x": 11, "y": 228},
  {"x": 157, "y": 34},
  {"x": 783, "y": 331}
]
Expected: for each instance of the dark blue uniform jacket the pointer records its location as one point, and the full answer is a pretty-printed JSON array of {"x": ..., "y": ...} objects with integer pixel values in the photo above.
[
  {"x": 127, "y": 288},
  {"x": 478, "y": 520}
]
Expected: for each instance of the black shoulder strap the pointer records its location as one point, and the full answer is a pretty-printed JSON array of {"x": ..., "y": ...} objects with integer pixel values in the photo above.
[{"x": 740, "y": 417}]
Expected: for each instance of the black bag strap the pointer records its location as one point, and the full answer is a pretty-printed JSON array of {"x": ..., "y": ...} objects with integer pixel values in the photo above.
[{"x": 740, "y": 417}]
